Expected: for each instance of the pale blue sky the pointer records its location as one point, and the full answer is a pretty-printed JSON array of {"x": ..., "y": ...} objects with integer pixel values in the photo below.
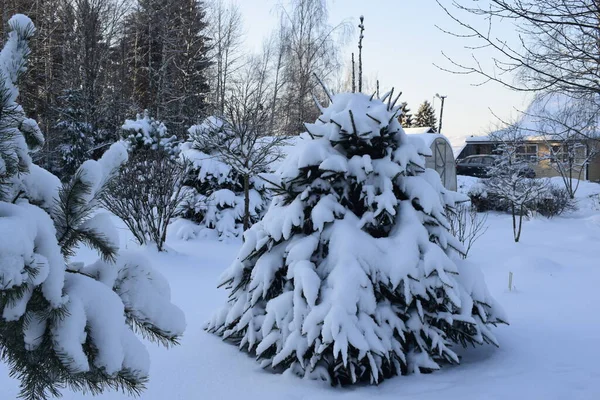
[{"x": 400, "y": 47}]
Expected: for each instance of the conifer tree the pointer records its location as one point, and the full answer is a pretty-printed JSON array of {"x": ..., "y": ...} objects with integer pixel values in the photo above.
[
  {"x": 406, "y": 118},
  {"x": 63, "y": 323},
  {"x": 148, "y": 134},
  {"x": 425, "y": 117},
  {"x": 352, "y": 275},
  {"x": 167, "y": 60},
  {"x": 76, "y": 133}
]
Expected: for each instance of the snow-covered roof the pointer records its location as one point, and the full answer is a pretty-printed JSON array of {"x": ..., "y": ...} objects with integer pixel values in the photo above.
[
  {"x": 429, "y": 138},
  {"x": 477, "y": 139},
  {"x": 425, "y": 129}
]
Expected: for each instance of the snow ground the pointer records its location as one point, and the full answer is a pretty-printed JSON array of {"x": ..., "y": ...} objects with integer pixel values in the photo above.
[{"x": 548, "y": 352}]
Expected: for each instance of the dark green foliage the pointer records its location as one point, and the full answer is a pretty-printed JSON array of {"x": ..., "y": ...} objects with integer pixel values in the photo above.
[
  {"x": 13, "y": 123},
  {"x": 166, "y": 51},
  {"x": 298, "y": 285},
  {"x": 35, "y": 307}
]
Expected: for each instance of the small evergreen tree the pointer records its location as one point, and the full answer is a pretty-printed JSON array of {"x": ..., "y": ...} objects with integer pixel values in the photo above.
[
  {"x": 406, "y": 118},
  {"x": 425, "y": 117},
  {"x": 76, "y": 133},
  {"x": 148, "y": 134},
  {"x": 63, "y": 323},
  {"x": 352, "y": 274}
]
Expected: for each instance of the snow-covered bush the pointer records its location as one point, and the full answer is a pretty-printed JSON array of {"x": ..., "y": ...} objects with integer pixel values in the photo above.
[
  {"x": 149, "y": 189},
  {"x": 550, "y": 200},
  {"x": 352, "y": 274},
  {"x": 147, "y": 133},
  {"x": 65, "y": 324},
  {"x": 555, "y": 201},
  {"x": 214, "y": 190}
]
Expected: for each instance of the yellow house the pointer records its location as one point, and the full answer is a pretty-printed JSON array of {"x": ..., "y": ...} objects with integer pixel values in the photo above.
[{"x": 546, "y": 156}]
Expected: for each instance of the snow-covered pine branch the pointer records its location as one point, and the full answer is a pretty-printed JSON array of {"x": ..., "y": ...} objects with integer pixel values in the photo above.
[
  {"x": 65, "y": 324},
  {"x": 352, "y": 275}
]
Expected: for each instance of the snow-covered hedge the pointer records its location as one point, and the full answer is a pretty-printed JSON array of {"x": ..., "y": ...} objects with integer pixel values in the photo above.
[
  {"x": 64, "y": 323},
  {"x": 352, "y": 274},
  {"x": 214, "y": 191}
]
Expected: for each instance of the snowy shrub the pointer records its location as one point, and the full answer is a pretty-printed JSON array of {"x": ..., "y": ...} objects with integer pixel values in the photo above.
[
  {"x": 555, "y": 201},
  {"x": 214, "y": 190},
  {"x": 548, "y": 200},
  {"x": 63, "y": 323},
  {"x": 149, "y": 189},
  {"x": 147, "y": 133},
  {"x": 352, "y": 275},
  {"x": 483, "y": 201}
]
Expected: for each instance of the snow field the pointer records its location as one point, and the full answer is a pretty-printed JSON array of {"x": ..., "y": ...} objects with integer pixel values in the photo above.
[{"x": 548, "y": 352}]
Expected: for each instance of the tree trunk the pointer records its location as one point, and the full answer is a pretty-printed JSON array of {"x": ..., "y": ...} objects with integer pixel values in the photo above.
[
  {"x": 518, "y": 236},
  {"x": 514, "y": 221},
  {"x": 246, "y": 202}
]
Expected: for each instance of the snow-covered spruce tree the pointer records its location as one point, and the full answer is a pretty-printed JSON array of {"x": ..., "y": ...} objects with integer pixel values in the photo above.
[
  {"x": 425, "y": 117},
  {"x": 214, "y": 190},
  {"x": 62, "y": 323},
  {"x": 350, "y": 276}
]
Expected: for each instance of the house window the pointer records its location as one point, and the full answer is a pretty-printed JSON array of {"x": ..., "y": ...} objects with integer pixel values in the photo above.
[
  {"x": 527, "y": 152},
  {"x": 563, "y": 152},
  {"x": 559, "y": 154}
]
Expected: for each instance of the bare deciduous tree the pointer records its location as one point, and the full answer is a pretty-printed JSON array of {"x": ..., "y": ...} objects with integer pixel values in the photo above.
[
  {"x": 466, "y": 224},
  {"x": 313, "y": 49},
  {"x": 556, "y": 48},
  {"x": 245, "y": 146},
  {"x": 509, "y": 179},
  {"x": 225, "y": 28},
  {"x": 569, "y": 129}
]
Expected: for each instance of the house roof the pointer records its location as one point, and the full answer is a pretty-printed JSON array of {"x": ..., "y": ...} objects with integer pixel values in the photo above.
[
  {"x": 478, "y": 139},
  {"x": 524, "y": 138}
]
